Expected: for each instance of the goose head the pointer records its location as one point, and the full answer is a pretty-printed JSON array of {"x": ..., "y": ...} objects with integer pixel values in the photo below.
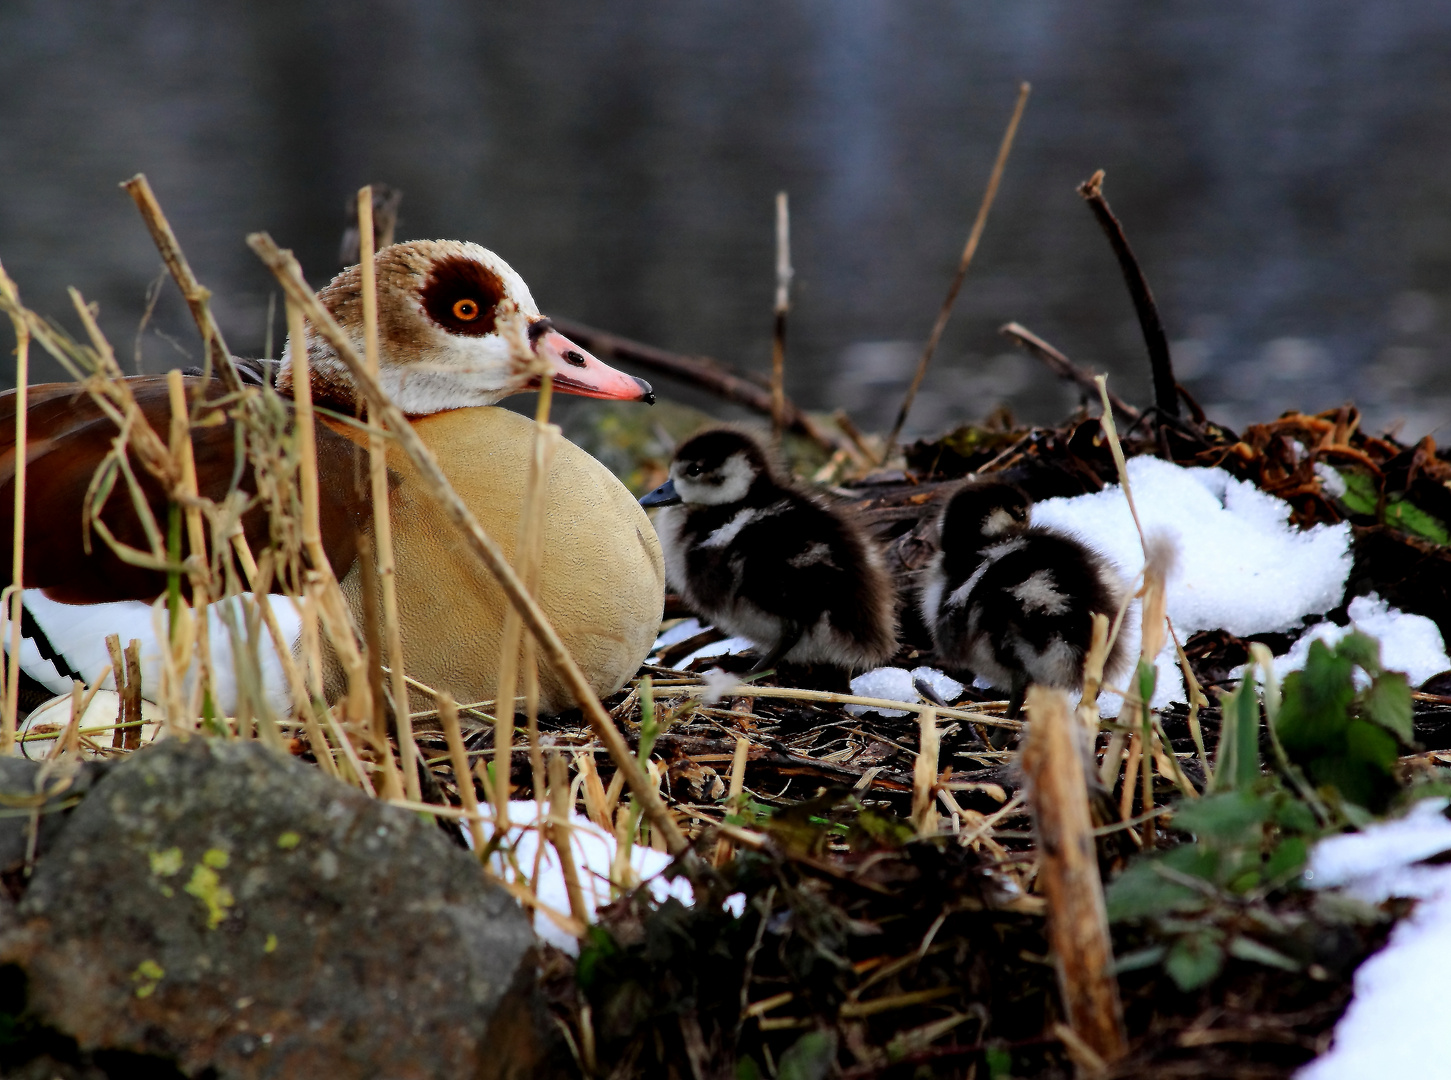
[
  {"x": 718, "y": 467},
  {"x": 980, "y": 514},
  {"x": 443, "y": 313}
]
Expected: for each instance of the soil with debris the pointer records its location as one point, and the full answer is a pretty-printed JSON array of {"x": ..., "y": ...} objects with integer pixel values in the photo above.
[{"x": 865, "y": 950}]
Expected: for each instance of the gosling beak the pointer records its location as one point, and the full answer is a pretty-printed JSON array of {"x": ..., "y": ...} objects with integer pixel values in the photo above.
[
  {"x": 664, "y": 495},
  {"x": 577, "y": 372}
]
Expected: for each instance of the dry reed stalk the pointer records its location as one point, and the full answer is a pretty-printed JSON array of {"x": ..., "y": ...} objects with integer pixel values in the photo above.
[
  {"x": 528, "y": 547},
  {"x": 724, "y": 849},
  {"x": 323, "y": 593},
  {"x": 1068, "y": 875},
  {"x": 1131, "y": 776},
  {"x": 1197, "y": 700},
  {"x": 924, "y": 774},
  {"x": 198, "y": 568},
  {"x": 448, "y": 717},
  {"x": 559, "y": 833},
  {"x": 289, "y": 274},
  {"x": 218, "y": 357},
  {"x": 594, "y": 791},
  {"x": 968, "y": 251},
  {"x": 782, "y": 308},
  {"x": 350, "y": 755},
  {"x": 17, "y": 564},
  {"x": 382, "y": 518},
  {"x": 301, "y": 699}
]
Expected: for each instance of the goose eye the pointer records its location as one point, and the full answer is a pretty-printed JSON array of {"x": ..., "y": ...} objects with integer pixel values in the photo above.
[{"x": 467, "y": 310}]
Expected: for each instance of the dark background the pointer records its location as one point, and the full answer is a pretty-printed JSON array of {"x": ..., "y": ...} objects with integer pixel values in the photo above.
[{"x": 1284, "y": 171}]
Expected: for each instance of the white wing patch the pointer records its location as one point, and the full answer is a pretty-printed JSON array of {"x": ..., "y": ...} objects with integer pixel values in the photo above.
[
  {"x": 730, "y": 530},
  {"x": 78, "y": 633},
  {"x": 815, "y": 553},
  {"x": 1039, "y": 592}
]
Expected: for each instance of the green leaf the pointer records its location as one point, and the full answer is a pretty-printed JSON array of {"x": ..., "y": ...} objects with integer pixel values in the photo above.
[
  {"x": 1410, "y": 518},
  {"x": 1293, "y": 815},
  {"x": 1287, "y": 859},
  {"x": 1315, "y": 704},
  {"x": 1140, "y": 892},
  {"x": 747, "y": 1069},
  {"x": 1139, "y": 959},
  {"x": 1237, "y": 761},
  {"x": 1360, "y": 649},
  {"x": 1243, "y": 948},
  {"x": 1232, "y": 816},
  {"x": 1388, "y": 703},
  {"x": 1361, "y": 494},
  {"x": 809, "y": 1057},
  {"x": 1194, "y": 960},
  {"x": 999, "y": 1062}
]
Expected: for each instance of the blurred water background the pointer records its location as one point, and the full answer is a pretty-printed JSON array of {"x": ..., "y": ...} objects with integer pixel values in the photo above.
[{"x": 1283, "y": 170}]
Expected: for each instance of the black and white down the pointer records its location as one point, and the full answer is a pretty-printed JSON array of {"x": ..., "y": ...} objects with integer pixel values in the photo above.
[
  {"x": 1011, "y": 603},
  {"x": 761, "y": 559}
]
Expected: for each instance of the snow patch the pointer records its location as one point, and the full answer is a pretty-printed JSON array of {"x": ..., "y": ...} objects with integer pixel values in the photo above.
[
  {"x": 1396, "y": 1021},
  {"x": 1409, "y": 643}
]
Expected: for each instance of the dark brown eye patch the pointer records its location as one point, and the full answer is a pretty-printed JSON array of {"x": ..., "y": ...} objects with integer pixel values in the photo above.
[{"x": 460, "y": 295}]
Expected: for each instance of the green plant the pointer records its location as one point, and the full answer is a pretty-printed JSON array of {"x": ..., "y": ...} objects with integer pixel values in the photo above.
[{"x": 1334, "y": 739}]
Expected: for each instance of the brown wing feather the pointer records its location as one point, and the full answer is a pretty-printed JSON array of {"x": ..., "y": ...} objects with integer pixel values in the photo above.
[{"x": 68, "y": 437}]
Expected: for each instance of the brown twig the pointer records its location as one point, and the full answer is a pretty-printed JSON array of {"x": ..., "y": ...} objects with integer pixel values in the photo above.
[
  {"x": 1068, "y": 875},
  {"x": 783, "y": 306},
  {"x": 1063, "y": 367},
  {"x": 1166, "y": 391},
  {"x": 968, "y": 251},
  {"x": 195, "y": 294},
  {"x": 289, "y": 274},
  {"x": 701, "y": 371}
]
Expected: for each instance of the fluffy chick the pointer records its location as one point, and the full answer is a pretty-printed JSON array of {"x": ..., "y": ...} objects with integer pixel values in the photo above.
[
  {"x": 1013, "y": 603},
  {"x": 764, "y": 560}
]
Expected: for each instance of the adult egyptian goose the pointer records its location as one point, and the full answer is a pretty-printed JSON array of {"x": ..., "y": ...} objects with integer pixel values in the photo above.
[
  {"x": 760, "y": 558},
  {"x": 1012, "y": 603},
  {"x": 445, "y": 362}
]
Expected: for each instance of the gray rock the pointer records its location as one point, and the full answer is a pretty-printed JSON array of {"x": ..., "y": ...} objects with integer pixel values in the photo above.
[
  {"x": 37, "y": 798},
  {"x": 214, "y": 903}
]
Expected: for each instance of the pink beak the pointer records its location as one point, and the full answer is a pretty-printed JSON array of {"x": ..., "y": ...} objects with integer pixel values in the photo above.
[{"x": 577, "y": 372}]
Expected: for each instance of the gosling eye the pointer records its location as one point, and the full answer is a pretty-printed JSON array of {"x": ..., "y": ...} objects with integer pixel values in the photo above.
[{"x": 466, "y": 310}]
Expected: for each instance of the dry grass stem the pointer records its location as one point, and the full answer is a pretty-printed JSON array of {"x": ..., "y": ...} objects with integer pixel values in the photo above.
[
  {"x": 448, "y": 717},
  {"x": 559, "y": 836},
  {"x": 924, "y": 775},
  {"x": 724, "y": 850},
  {"x": 528, "y": 550},
  {"x": 285, "y": 267},
  {"x": 382, "y": 518},
  {"x": 17, "y": 565},
  {"x": 968, "y": 251},
  {"x": 218, "y": 357}
]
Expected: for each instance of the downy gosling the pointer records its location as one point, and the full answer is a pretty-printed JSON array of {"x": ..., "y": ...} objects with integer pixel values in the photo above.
[
  {"x": 1011, "y": 603},
  {"x": 762, "y": 559}
]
